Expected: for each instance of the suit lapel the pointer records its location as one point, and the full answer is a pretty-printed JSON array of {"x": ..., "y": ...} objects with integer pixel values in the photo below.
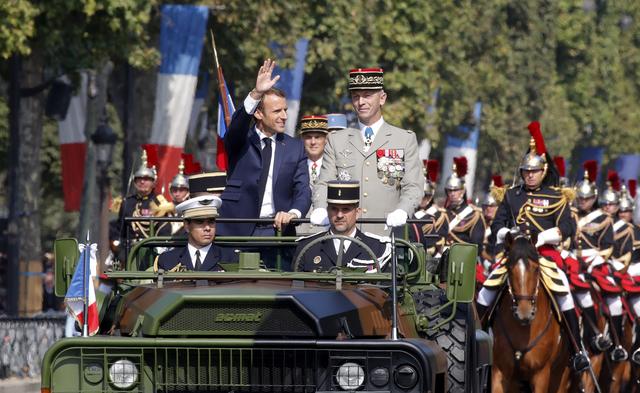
[
  {"x": 354, "y": 250},
  {"x": 212, "y": 258},
  {"x": 382, "y": 138},
  {"x": 185, "y": 259},
  {"x": 279, "y": 158},
  {"x": 356, "y": 141},
  {"x": 330, "y": 252}
]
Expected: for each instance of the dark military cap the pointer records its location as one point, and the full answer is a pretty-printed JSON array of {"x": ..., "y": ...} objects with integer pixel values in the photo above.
[
  {"x": 206, "y": 183},
  {"x": 343, "y": 192},
  {"x": 314, "y": 123},
  {"x": 366, "y": 79}
]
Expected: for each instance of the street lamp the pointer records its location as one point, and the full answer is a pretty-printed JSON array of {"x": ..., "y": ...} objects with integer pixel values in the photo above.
[{"x": 104, "y": 140}]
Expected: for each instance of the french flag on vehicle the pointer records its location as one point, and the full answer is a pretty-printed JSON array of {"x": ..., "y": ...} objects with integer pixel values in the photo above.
[{"x": 74, "y": 299}]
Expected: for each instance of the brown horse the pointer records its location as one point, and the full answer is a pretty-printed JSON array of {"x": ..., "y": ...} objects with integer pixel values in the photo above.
[
  {"x": 619, "y": 376},
  {"x": 529, "y": 352}
]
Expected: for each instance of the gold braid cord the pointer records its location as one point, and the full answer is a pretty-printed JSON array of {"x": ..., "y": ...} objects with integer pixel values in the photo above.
[
  {"x": 498, "y": 193},
  {"x": 528, "y": 214}
]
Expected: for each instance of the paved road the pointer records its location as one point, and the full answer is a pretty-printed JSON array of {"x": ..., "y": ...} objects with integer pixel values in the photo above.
[{"x": 20, "y": 385}]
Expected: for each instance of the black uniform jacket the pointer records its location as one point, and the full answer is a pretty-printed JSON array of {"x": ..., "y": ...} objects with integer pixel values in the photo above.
[
  {"x": 470, "y": 230},
  {"x": 322, "y": 256},
  {"x": 534, "y": 211},
  {"x": 597, "y": 234},
  {"x": 168, "y": 260}
]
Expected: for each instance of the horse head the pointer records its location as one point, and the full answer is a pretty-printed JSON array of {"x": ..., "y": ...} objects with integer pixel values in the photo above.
[{"x": 523, "y": 272}]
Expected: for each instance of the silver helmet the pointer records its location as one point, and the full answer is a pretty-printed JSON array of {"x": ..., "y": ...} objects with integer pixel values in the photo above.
[
  {"x": 180, "y": 180},
  {"x": 586, "y": 188},
  {"x": 144, "y": 170},
  {"x": 496, "y": 192},
  {"x": 626, "y": 202},
  {"x": 535, "y": 159},
  {"x": 456, "y": 180},
  {"x": 611, "y": 195}
]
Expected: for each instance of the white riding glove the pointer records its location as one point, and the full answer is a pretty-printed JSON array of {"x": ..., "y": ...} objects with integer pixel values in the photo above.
[
  {"x": 502, "y": 233},
  {"x": 397, "y": 218},
  {"x": 550, "y": 236},
  {"x": 320, "y": 217}
]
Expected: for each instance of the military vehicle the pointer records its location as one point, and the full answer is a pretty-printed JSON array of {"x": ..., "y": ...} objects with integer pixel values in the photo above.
[{"x": 249, "y": 329}]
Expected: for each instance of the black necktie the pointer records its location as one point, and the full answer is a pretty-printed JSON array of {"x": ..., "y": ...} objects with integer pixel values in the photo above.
[
  {"x": 266, "y": 163},
  {"x": 198, "y": 261}
]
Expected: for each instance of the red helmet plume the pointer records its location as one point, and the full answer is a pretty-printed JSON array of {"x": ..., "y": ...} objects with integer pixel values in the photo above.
[
  {"x": 152, "y": 155},
  {"x": 560, "y": 164},
  {"x": 461, "y": 166},
  {"x": 497, "y": 180},
  {"x": 614, "y": 179},
  {"x": 433, "y": 168},
  {"x": 633, "y": 184},
  {"x": 536, "y": 134},
  {"x": 591, "y": 166}
]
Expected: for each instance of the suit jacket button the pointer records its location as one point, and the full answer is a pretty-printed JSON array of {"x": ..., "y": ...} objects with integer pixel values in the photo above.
[
  {"x": 365, "y": 194},
  {"x": 367, "y": 163},
  {"x": 364, "y": 210},
  {"x": 366, "y": 179}
]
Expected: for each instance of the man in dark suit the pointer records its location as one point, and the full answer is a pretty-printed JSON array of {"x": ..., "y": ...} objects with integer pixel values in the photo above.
[
  {"x": 343, "y": 210},
  {"x": 267, "y": 174},
  {"x": 200, "y": 224}
]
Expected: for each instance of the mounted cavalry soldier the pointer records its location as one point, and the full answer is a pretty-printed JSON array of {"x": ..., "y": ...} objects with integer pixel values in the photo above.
[
  {"x": 631, "y": 280},
  {"x": 588, "y": 263},
  {"x": 539, "y": 209},
  {"x": 144, "y": 203},
  {"x": 465, "y": 223},
  {"x": 434, "y": 232},
  {"x": 343, "y": 209},
  {"x": 382, "y": 158},
  {"x": 490, "y": 204}
]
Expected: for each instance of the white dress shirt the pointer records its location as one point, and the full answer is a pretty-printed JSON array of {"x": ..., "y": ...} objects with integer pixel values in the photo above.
[
  {"x": 192, "y": 253},
  {"x": 375, "y": 127},
  {"x": 318, "y": 166},
  {"x": 347, "y": 243}
]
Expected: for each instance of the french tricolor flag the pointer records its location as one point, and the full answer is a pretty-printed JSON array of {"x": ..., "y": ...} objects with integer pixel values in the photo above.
[
  {"x": 73, "y": 147},
  {"x": 81, "y": 286},
  {"x": 182, "y": 35}
]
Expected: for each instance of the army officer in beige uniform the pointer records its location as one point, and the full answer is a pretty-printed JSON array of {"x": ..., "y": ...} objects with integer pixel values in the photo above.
[{"x": 383, "y": 158}]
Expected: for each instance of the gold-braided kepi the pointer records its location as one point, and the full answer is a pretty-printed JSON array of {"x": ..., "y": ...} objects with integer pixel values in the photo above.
[
  {"x": 314, "y": 123},
  {"x": 366, "y": 79}
]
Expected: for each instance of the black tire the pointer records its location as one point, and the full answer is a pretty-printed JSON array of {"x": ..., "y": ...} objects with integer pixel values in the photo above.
[{"x": 455, "y": 338}]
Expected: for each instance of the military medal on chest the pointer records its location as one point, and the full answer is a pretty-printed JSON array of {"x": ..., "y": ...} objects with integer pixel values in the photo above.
[{"x": 390, "y": 166}]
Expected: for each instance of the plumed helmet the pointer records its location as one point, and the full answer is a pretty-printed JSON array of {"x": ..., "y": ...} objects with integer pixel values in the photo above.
[
  {"x": 432, "y": 169},
  {"x": 586, "y": 188},
  {"x": 535, "y": 159},
  {"x": 456, "y": 180},
  {"x": 149, "y": 161},
  {"x": 611, "y": 196},
  {"x": 496, "y": 192},
  {"x": 562, "y": 170},
  {"x": 180, "y": 180},
  {"x": 626, "y": 201}
]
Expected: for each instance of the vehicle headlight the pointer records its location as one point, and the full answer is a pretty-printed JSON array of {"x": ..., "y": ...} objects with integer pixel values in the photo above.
[
  {"x": 406, "y": 377},
  {"x": 350, "y": 376},
  {"x": 123, "y": 374}
]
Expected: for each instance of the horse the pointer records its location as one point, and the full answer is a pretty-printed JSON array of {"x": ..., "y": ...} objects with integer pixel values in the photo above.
[{"x": 526, "y": 330}]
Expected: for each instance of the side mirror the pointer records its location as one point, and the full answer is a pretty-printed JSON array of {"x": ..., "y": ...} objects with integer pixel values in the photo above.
[
  {"x": 66, "y": 257},
  {"x": 461, "y": 274}
]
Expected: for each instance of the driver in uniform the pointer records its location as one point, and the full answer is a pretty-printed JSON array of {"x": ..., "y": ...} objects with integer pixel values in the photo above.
[
  {"x": 343, "y": 208},
  {"x": 538, "y": 208}
]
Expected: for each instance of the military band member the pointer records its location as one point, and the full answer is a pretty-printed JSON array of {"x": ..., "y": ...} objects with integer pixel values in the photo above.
[
  {"x": 313, "y": 132},
  {"x": 343, "y": 209},
  {"x": 336, "y": 121},
  {"x": 539, "y": 209},
  {"x": 200, "y": 253},
  {"x": 383, "y": 158},
  {"x": 144, "y": 203},
  {"x": 434, "y": 232}
]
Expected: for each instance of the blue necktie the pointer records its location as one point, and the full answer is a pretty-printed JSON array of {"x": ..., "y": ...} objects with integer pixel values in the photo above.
[{"x": 368, "y": 134}]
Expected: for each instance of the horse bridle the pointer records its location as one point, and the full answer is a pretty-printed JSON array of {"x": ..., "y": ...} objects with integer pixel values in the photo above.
[{"x": 516, "y": 298}]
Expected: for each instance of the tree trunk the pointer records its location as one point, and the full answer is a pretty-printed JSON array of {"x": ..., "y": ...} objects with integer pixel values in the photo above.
[{"x": 28, "y": 188}]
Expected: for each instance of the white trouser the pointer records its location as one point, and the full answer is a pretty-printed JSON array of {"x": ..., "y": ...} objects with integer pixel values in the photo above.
[
  {"x": 615, "y": 305},
  {"x": 635, "y": 304},
  {"x": 486, "y": 296}
]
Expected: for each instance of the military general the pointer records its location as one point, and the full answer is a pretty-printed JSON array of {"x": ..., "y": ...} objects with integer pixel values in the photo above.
[{"x": 382, "y": 158}]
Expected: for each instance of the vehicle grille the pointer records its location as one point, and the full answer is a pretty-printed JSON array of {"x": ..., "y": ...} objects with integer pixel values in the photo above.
[{"x": 204, "y": 320}]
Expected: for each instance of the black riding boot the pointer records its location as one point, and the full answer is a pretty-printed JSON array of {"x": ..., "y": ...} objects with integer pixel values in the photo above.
[
  {"x": 579, "y": 361},
  {"x": 618, "y": 354},
  {"x": 596, "y": 340},
  {"x": 635, "y": 349}
]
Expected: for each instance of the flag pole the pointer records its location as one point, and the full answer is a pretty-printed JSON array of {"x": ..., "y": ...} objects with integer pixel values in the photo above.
[
  {"x": 221, "y": 86},
  {"x": 85, "y": 289}
]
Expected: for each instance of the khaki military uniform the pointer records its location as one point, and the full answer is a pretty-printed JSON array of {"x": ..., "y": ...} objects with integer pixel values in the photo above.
[{"x": 383, "y": 187}]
